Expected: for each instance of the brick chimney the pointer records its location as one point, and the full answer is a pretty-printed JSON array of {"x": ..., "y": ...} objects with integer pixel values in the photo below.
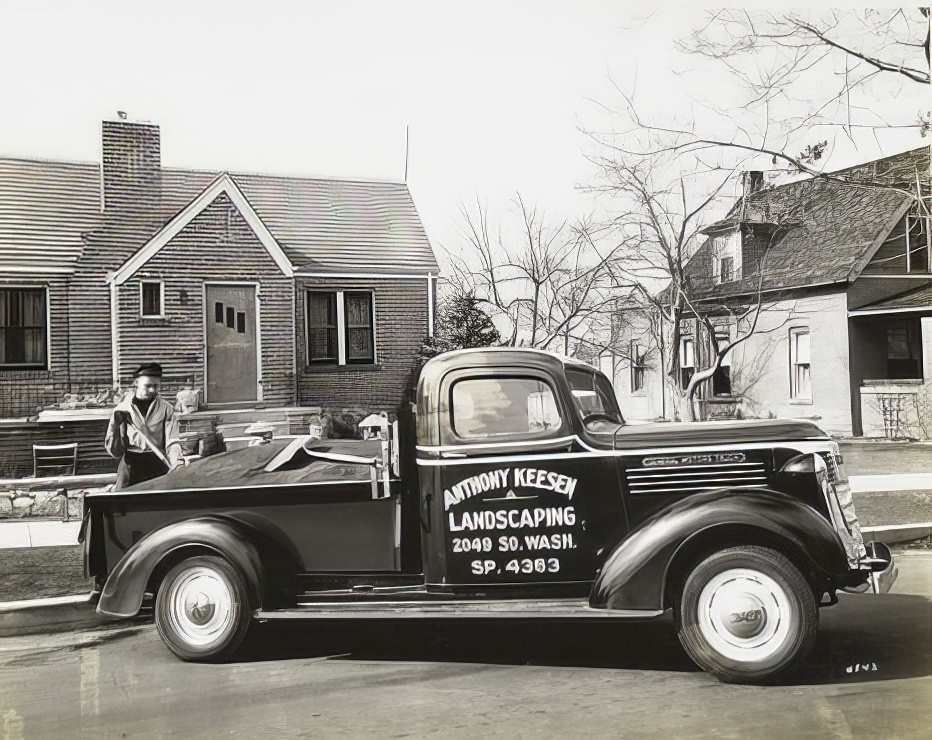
[
  {"x": 753, "y": 180},
  {"x": 131, "y": 164}
]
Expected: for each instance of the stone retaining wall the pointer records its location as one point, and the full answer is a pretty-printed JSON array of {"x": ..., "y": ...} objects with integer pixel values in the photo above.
[{"x": 21, "y": 503}]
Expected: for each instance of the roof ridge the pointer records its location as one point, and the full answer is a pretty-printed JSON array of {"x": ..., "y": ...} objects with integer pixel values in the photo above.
[
  {"x": 217, "y": 172},
  {"x": 305, "y": 178},
  {"x": 48, "y": 160}
]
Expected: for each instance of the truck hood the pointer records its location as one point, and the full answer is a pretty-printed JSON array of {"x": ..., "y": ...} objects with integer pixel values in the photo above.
[{"x": 687, "y": 434}]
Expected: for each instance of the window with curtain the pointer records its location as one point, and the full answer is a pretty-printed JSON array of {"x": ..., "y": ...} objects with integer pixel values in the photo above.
[
  {"x": 341, "y": 327},
  {"x": 23, "y": 328},
  {"x": 322, "y": 327},
  {"x": 359, "y": 340}
]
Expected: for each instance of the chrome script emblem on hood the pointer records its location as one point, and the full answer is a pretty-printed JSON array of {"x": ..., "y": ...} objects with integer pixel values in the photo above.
[{"x": 711, "y": 458}]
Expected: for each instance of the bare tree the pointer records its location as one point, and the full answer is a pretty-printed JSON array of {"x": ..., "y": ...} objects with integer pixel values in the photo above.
[
  {"x": 667, "y": 174},
  {"x": 548, "y": 286},
  {"x": 665, "y": 201},
  {"x": 811, "y": 70}
]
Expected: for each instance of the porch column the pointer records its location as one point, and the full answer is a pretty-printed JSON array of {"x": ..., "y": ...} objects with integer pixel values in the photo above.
[{"x": 926, "y": 329}]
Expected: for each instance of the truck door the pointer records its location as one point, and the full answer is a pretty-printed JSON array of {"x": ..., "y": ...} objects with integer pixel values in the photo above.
[{"x": 513, "y": 492}]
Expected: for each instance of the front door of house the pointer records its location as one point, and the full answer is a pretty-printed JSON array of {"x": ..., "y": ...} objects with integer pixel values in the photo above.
[{"x": 230, "y": 317}]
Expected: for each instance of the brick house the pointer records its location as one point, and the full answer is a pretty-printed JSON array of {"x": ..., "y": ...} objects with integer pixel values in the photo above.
[
  {"x": 257, "y": 289},
  {"x": 842, "y": 265}
]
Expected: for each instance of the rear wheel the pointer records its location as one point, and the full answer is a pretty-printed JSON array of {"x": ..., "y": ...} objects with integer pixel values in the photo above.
[
  {"x": 747, "y": 614},
  {"x": 203, "y": 608}
]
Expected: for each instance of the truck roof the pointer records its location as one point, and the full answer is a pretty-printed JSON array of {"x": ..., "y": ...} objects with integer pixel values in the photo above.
[{"x": 504, "y": 355}]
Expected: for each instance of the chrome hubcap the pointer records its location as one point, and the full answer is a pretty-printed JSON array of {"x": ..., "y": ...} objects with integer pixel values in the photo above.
[
  {"x": 745, "y": 615},
  {"x": 201, "y": 606}
]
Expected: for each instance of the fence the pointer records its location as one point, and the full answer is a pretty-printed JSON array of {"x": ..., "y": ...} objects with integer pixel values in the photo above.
[{"x": 894, "y": 409}]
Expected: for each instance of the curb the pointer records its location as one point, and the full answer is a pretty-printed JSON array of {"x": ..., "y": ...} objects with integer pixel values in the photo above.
[
  {"x": 56, "y": 614},
  {"x": 889, "y": 483},
  {"x": 892, "y": 534}
]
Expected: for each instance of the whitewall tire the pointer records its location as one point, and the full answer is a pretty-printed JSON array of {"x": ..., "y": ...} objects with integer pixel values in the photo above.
[
  {"x": 747, "y": 615},
  {"x": 203, "y": 609}
]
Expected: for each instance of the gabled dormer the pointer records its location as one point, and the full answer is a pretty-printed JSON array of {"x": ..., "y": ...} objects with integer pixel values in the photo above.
[{"x": 739, "y": 242}]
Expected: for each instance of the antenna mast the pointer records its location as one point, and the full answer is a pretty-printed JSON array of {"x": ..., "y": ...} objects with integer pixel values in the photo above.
[{"x": 406, "y": 152}]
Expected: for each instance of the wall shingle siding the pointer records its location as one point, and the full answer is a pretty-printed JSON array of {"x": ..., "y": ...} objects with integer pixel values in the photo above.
[
  {"x": 104, "y": 251},
  {"x": 217, "y": 246},
  {"x": 400, "y": 330}
]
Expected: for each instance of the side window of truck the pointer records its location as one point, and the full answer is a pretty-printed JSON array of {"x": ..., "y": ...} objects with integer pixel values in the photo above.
[{"x": 485, "y": 408}]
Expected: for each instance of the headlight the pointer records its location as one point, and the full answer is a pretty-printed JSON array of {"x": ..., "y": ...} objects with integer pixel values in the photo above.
[
  {"x": 836, "y": 492},
  {"x": 803, "y": 464}
]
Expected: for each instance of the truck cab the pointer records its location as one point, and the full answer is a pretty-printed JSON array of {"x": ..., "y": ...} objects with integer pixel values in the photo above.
[{"x": 511, "y": 487}]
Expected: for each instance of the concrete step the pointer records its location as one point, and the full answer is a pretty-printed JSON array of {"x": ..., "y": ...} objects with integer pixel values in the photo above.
[
  {"x": 280, "y": 427},
  {"x": 233, "y": 422}
]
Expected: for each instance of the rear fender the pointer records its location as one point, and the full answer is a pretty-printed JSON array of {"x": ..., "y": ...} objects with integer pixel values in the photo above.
[
  {"x": 636, "y": 572},
  {"x": 262, "y": 561}
]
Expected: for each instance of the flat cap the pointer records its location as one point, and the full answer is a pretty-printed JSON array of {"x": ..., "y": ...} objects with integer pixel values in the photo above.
[{"x": 150, "y": 370}]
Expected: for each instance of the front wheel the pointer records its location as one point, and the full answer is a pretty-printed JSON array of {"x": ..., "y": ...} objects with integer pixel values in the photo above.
[
  {"x": 747, "y": 614},
  {"x": 203, "y": 608}
]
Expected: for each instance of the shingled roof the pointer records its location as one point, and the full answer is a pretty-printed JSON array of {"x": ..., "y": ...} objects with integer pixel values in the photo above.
[
  {"x": 324, "y": 225},
  {"x": 916, "y": 298},
  {"x": 44, "y": 209},
  {"x": 824, "y": 229}
]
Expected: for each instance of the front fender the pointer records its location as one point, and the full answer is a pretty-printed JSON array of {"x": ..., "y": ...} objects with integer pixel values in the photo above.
[
  {"x": 125, "y": 587},
  {"x": 635, "y": 573}
]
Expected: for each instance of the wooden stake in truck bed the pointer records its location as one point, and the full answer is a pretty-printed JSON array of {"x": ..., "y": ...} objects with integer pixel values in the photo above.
[{"x": 514, "y": 490}]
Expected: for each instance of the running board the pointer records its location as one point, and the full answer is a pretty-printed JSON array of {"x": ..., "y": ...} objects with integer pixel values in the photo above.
[{"x": 502, "y": 609}]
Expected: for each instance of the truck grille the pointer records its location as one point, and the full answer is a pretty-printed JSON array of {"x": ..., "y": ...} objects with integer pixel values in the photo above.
[
  {"x": 695, "y": 478},
  {"x": 831, "y": 464}
]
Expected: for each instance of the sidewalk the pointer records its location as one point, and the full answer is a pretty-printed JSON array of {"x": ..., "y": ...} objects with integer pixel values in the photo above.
[{"x": 40, "y": 533}]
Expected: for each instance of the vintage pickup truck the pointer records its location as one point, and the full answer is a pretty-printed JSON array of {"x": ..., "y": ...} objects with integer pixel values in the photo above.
[{"x": 513, "y": 488}]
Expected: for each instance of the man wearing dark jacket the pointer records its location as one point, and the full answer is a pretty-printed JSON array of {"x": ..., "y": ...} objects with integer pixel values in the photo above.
[{"x": 143, "y": 432}]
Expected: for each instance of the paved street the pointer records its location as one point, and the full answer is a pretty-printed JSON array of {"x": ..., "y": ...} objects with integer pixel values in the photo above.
[{"x": 868, "y": 677}]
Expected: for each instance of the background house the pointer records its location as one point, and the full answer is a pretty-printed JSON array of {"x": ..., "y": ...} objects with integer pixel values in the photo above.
[
  {"x": 841, "y": 267},
  {"x": 257, "y": 289}
]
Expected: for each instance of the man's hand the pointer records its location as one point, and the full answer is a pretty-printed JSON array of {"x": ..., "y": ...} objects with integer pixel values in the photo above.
[{"x": 121, "y": 417}]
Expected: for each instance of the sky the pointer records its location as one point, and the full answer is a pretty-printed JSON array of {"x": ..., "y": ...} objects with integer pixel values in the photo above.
[{"x": 493, "y": 94}]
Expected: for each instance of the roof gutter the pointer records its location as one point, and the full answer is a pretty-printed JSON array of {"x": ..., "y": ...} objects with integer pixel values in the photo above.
[
  {"x": 430, "y": 305},
  {"x": 367, "y": 275},
  {"x": 114, "y": 333},
  {"x": 880, "y": 311},
  {"x": 822, "y": 284}
]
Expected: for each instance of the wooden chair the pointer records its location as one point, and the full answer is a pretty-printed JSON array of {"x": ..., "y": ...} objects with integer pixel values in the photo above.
[{"x": 52, "y": 460}]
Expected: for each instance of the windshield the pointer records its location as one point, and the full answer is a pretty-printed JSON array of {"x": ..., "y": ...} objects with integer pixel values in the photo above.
[{"x": 593, "y": 396}]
